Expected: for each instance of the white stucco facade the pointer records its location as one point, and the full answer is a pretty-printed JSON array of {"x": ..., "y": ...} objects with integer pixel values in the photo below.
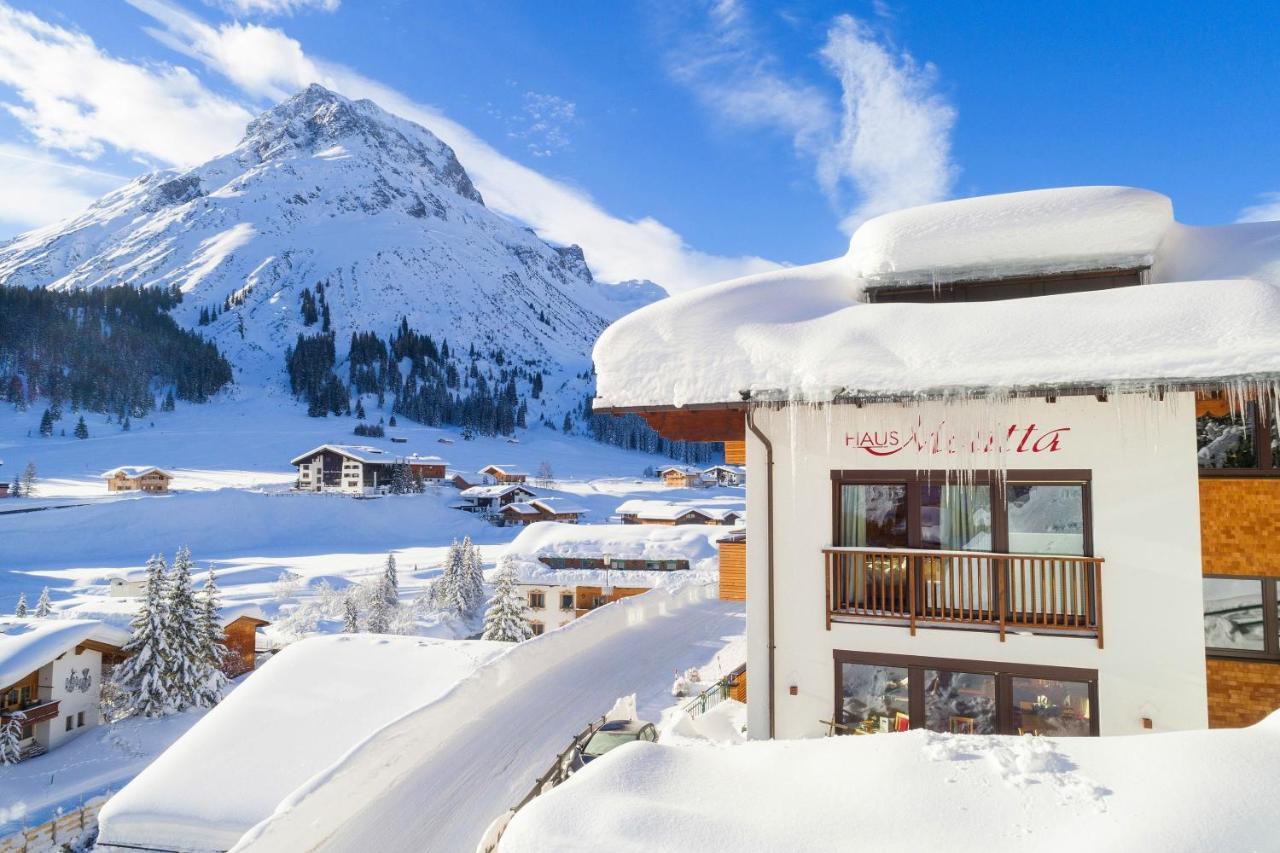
[
  {"x": 551, "y": 614},
  {"x": 75, "y": 681},
  {"x": 1141, "y": 454}
]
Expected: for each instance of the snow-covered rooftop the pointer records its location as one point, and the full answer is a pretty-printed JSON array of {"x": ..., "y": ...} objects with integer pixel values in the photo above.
[
  {"x": 372, "y": 455},
  {"x": 135, "y": 471},
  {"x": 509, "y": 470},
  {"x": 298, "y": 714},
  {"x": 28, "y": 644},
  {"x": 1195, "y": 790},
  {"x": 1211, "y": 313},
  {"x": 492, "y": 491},
  {"x": 1040, "y": 232},
  {"x": 695, "y": 543}
]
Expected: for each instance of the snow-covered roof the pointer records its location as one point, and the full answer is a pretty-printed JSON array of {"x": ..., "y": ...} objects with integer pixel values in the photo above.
[
  {"x": 666, "y": 511},
  {"x": 1211, "y": 314},
  {"x": 558, "y": 505},
  {"x": 493, "y": 491},
  {"x": 732, "y": 469},
  {"x": 359, "y": 452},
  {"x": 1166, "y": 791},
  {"x": 28, "y": 644},
  {"x": 298, "y": 714},
  {"x": 521, "y": 508},
  {"x": 680, "y": 469},
  {"x": 509, "y": 470},
  {"x": 136, "y": 471},
  {"x": 1040, "y": 232},
  {"x": 693, "y": 542},
  {"x": 231, "y": 612},
  {"x": 420, "y": 459}
]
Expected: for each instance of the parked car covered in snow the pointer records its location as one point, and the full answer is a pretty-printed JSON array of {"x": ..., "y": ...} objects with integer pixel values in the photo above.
[{"x": 612, "y": 735}]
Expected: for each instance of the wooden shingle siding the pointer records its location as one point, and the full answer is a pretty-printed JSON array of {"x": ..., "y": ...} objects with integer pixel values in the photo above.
[
  {"x": 735, "y": 453},
  {"x": 733, "y": 571},
  {"x": 1239, "y": 526},
  {"x": 1241, "y": 692}
]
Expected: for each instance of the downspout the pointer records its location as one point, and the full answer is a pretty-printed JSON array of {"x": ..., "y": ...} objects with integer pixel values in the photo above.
[{"x": 768, "y": 461}]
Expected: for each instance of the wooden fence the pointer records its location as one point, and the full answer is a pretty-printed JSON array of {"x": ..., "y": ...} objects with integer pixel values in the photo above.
[{"x": 71, "y": 829}]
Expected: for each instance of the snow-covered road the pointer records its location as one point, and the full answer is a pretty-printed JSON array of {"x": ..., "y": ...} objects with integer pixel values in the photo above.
[{"x": 436, "y": 779}]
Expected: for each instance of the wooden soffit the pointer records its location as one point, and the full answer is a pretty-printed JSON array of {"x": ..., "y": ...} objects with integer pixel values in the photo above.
[{"x": 699, "y": 424}]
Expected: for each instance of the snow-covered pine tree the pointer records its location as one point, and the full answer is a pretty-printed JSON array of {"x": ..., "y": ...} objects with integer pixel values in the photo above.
[
  {"x": 378, "y": 619},
  {"x": 21, "y": 609},
  {"x": 391, "y": 581},
  {"x": 142, "y": 677},
  {"x": 186, "y": 670},
  {"x": 471, "y": 582},
  {"x": 43, "y": 607},
  {"x": 11, "y": 738},
  {"x": 444, "y": 589},
  {"x": 507, "y": 618},
  {"x": 350, "y": 616},
  {"x": 29, "y": 480},
  {"x": 213, "y": 681}
]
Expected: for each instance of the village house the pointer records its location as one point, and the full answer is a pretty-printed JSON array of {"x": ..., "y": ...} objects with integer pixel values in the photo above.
[
  {"x": 566, "y": 572},
  {"x": 725, "y": 475},
  {"x": 359, "y": 469},
  {"x": 489, "y": 500},
  {"x": 493, "y": 475},
  {"x": 682, "y": 477},
  {"x": 981, "y": 434},
  {"x": 640, "y": 511},
  {"x": 519, "y": 513},
  {"x": 138, "y": 479},
  {"x": 51, "y": 676}
]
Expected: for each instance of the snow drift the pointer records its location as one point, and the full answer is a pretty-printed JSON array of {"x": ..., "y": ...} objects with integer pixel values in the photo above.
[{"x": 1184, "y": 791}]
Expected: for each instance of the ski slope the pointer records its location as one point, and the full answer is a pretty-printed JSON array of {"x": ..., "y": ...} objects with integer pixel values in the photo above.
[{"x": 435, "y": 779}]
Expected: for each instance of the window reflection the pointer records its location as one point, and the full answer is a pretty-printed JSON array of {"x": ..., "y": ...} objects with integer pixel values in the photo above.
[
  {"x": 1233, "y": 617},
  {"x": 875, "y": 698},
  {"x": 873, "y": 515},
  {"x": 960, "y": 702},
  {"x": 956, "y": 518},
  {"x": 1052, "y": 708},
  {"x": 1046, "y": 519}
]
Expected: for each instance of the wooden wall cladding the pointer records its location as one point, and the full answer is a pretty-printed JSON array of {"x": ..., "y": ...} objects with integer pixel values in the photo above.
[
  {"x": 1240, "y": 526},
  {"x": 1241, "y": 692}
]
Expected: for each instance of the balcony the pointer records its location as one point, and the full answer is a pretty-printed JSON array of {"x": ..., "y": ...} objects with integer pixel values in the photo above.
[
  {"x": 34, "y": 712},
  {"x": 1033, "y": 593}
]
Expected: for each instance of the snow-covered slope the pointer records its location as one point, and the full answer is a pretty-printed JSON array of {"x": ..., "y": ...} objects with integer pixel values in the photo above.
[{"x": 324, "y": 189}]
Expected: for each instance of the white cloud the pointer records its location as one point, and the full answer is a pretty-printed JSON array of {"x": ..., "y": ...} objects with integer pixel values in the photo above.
[
  {"x": 1266, "y": 210},
  {"x": 267, "y": 63},
  {"x": 76, "y": 98},
  {"x": 36, "y": 189},
  {"x": 544, "y": 123},
  {"x": 275, "y": 7},
  {"x": 886, "y": 145}
]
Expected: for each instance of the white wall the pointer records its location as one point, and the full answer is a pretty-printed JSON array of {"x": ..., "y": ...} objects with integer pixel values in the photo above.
[
  {"x": 551, "y": 616},
  {"x": 53, "y": 685},
  {"x": 1145, "y": 503}
]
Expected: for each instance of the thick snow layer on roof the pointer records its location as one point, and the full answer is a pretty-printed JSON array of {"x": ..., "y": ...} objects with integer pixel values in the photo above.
[
  {"x": 492, "y": 491},
  {"x": 805, "y": 332},
  {"x": 28, "y": 644},
  {"x": 1015, "y": 234},
  {"x": 664, "y": 511},
  {"x": 302, "y": 711},
  {"x": 135, "y": 471},
  {"x": 621, "y": 541},
  {"x": 1181, "y": 791}
]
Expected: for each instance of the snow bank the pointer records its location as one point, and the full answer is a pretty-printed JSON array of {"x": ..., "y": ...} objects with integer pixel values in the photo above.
[
  {"x": 1185, "y": 791},
  {"x": 1211, "y": 313},
  {"x": 1027, "y": 233},
  {"x": 28, "y": 644},
  {"x": 291, "y": 719},
  {"x": 384, "y": 793}
]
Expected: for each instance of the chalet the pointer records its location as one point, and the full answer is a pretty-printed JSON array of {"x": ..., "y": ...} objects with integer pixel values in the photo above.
[
  {"x": 969, "y": 435},
  {"x": 519, "y": 513},
  {"x": 663, "y": 513},
  {"x": 4, "y": 490},
  {"x": 725, "y": 475},
  {"x": 566, "y": 572},
  {"x": 489, "y": 500},
  {"x": 502, "y": 475},
  {"x": 359, "y": 469},
  {"x": 51, "y": 675},
  {"x": 240, "y": 624},
  {"x": 138, "y": 479},
  {"x": 681, "y": 477}
]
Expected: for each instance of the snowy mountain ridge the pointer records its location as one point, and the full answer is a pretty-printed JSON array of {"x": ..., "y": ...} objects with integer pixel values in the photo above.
[{"x": 325, "y": 189}]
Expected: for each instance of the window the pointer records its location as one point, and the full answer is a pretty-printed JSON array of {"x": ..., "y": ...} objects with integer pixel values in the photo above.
[
  {"x": 1240, "y": 617},
  {"x": 70, "y": 723},
  {"x": 79, "y": 719},
  {"x": 566, "y": 601},
  {"x": 1238, "y": 443},
  {"x": 1028, "y": 512},
  {"x": 891, "y": 693},
  {"x": 537, "y": 600},
  {"x": 537, "y": 628}
]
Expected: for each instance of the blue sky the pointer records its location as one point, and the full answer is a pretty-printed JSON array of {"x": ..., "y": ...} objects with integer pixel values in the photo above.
[{"x": 680, "y": 141}]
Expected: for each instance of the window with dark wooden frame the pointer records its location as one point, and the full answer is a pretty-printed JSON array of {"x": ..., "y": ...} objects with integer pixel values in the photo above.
[
  {"x": 1242, "y": 617},
  {"x": 1238, "y": 444},
  {"x": 537, "y": 600},
  {"x": 887, "y": 693}
]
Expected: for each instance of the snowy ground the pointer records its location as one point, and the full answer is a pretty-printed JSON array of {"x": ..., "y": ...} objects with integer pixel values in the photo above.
[
  {"x": 232, "y": 506},
  {"x": 1177, "y": 792}
]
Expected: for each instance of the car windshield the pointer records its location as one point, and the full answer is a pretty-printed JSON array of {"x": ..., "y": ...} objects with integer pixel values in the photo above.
[{"x": 602, "y": 742}]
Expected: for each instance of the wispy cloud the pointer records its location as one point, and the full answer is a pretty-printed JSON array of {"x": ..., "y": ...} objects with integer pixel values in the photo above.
[
  {"x": 544, "y": 123},
  {"x": 275, "y": 7},
  {"x": 36, "y": 189},
  {"x": 885, "y": 144},
  {"x": 73, "y": 96},
  {"x": 1267, "y": 209},
  {"x": 267, "y": 63}
]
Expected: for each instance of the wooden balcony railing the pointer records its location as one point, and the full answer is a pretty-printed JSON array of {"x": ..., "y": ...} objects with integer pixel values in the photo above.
[{"x": 1047, "y": 593}]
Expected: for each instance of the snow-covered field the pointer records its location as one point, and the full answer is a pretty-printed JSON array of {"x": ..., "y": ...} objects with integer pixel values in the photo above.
[{"x": 1176, "y": 793}]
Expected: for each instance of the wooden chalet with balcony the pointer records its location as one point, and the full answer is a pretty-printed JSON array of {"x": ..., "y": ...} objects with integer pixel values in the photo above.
[
  {"x": 133, "y": 478},
  {"x": 502, "y": 475},
  {"x": 640, "y": 511},
  {"x": 682, "y": 477},
  {"x": 521, "y": 513},
  {"x": 960, "y": 490},
  {"x": 359, "y": 469}
]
